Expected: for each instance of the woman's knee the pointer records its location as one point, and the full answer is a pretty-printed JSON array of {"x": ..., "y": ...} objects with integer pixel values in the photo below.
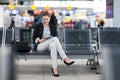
[
  {"x": 55, "y": 39},
  {"x": 52, "y": 45}
]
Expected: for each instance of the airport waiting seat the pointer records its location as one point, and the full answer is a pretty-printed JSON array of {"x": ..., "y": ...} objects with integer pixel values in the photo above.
[
  {"x": 22, "y": 35},
  {"x": 111, "y": 28},
  {"x": 94, "y": 38},
  {"x": 25, "y": 35},
  {"x": 109, "y": 38},
  {"x": 78, "y": 42},
  {"x": 94, "y": 34},
  {"x": 60, "y": 34},
  {"x": 9, "y": 36},
  {"x": 75, "y": 42}
]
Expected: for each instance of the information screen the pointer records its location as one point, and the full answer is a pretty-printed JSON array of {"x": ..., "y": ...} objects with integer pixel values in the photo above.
[{"x": 109, "y": 8}]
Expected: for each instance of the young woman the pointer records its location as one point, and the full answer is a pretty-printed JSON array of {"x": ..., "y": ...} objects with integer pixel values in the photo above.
[{"x": 45, "y": 36}]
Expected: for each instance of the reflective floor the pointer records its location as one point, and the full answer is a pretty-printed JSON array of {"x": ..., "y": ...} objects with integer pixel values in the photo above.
[{"x": 40, "y": 69}]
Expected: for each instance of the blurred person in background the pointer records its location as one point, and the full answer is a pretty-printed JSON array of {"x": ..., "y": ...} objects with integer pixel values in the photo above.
[
  {"x": 102, "y": 23},
  {"x": 7, "y": 20},
  {"x": 53, "y": 19},
  {"x": 17, "y": 21},
  {"x": 36, "y": 19},
  {"x": 23, "y": 22}
]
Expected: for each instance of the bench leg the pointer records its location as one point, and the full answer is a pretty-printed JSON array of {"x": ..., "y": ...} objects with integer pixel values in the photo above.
[
  {"x": 18, "y": 57},
  {"x": 96, "y": 65},
  {"x": 26, "y": 57},
  {"x": 90, "y": 61}
]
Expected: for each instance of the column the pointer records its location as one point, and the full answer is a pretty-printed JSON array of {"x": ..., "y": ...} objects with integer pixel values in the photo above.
[{"x": 116, "y": 13}]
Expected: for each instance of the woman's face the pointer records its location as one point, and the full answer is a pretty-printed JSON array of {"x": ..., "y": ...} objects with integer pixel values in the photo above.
[{"x": 46, "y": 19}]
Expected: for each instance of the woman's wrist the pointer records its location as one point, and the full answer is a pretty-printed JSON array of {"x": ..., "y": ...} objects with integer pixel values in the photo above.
[{"x": 39, "y": 41}]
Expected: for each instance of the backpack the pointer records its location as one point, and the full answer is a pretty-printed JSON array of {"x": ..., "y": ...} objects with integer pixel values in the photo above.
[{"x": 21, "y": 46}]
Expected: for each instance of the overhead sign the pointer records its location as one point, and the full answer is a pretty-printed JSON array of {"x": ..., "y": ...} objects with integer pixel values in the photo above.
[
  {"x": 11, "y": 6},
  {"x": 33, "y": 7},
  {"x": 69, "y": 7},
  {"x": 47, "y": 7}
]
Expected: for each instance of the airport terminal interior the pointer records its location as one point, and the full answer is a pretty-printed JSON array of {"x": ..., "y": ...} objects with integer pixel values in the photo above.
[{"x": 88, "y": 32}]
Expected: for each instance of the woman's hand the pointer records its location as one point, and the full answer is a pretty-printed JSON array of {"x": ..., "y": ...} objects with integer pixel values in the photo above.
[{"x": 42, "y": 40}]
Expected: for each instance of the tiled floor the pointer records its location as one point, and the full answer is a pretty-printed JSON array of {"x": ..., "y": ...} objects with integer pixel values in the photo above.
[{"x": 40, "y": 69}]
